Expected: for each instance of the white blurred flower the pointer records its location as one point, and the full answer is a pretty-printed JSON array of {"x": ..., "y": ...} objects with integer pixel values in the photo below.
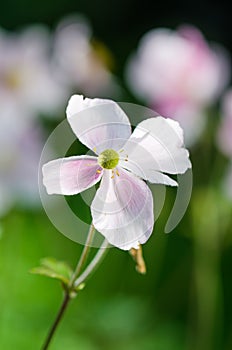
[
  {"x": 26, "y": 78},
  {"x": 19, "y": 158},
  {"x": 179, "y": 75},
  {"x": 27, "y": 87},
  {"x": 224, "y": 137},
  {"x": 80, "y": 65}
]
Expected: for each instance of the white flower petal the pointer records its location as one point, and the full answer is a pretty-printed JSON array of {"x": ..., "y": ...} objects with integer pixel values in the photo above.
[
  {"x": 122, "y": 209},
  {"x": 156, "y": 146},
  {"x": 99, "y": 124},
  {"x": 71, "y": 175},
  {"x": 192, "y": 120},
  {"x": 145, "y": 171}
]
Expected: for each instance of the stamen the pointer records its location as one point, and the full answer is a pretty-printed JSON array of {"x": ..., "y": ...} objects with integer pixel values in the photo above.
[
  {"x": 98, "y": 171},
  {"x": 117, "y": 172},
  {"x": 122, "y": 150},
  {"x": 112, "y": 177},
  {"x": 95, "y": 149},
  {"x": 125, "y": 158}
]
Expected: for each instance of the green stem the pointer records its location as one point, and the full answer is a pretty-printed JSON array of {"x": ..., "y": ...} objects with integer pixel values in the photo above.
[
  {"x": 57, "y": 320},
  {"x": 208, "y": 221},
  {"x": 84, "y": 255},
  {"x": 76, "y": 281},
  {"x": 93, "y": 264}
]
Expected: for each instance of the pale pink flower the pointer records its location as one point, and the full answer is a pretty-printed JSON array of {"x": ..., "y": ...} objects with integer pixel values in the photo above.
[
  {"x": 122, "y": 209},
  {"x": 224, "y": 136},
  {"x": 179, "y": 75}
]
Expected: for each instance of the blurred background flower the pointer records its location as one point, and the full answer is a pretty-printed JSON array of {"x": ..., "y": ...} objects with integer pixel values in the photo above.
[
  {"x": 179, "y": 75},
  {"x": 27, "y": 89},
  {"x": 82, "y": 63},
  {"x": 27, "y": 85},
  {"x": 19, "y": 158}
]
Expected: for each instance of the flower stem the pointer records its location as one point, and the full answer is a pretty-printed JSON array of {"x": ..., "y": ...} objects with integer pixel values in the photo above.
[
  {"x": 76, "y": 280},
  {"x": 84, "y": 254},
  {"x": 57, "y": 320},
  {"x": 93, "y": 264}
]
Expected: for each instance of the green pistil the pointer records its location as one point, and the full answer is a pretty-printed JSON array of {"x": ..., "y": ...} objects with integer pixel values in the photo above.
[{"x": 108, "y": 159}]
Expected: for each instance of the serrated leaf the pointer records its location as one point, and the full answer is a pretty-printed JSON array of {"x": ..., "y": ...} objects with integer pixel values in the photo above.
[{"x": 53, "y": 268}]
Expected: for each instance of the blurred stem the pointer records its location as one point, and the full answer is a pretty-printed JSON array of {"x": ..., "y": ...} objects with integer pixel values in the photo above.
[
  {"x": 208, "y": 228},
  {"x": 209, "y": 297},
  {"x": 77, "y": 279}
]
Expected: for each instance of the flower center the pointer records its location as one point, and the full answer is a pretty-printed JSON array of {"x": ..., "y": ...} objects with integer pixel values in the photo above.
[{"x": 108, "y": 159}]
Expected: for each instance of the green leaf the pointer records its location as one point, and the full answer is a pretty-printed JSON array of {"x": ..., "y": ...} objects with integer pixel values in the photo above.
[{"x": 53, "y": 268}]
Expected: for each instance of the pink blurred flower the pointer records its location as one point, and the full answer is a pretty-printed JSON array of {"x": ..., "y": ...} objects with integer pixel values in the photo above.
[
  {"x": 224, "y": 137},
  {"x": 122, "y": 208},
  {"x": 179, "y": 75},
  {"x": 79, "y": 64}
]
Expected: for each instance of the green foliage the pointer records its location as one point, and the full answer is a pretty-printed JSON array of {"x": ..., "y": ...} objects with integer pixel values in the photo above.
[{"x": 53, "y": 268}]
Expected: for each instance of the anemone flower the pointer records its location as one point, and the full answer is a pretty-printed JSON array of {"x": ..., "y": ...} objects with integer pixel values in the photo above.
[{"x": 122, "y": 209}]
